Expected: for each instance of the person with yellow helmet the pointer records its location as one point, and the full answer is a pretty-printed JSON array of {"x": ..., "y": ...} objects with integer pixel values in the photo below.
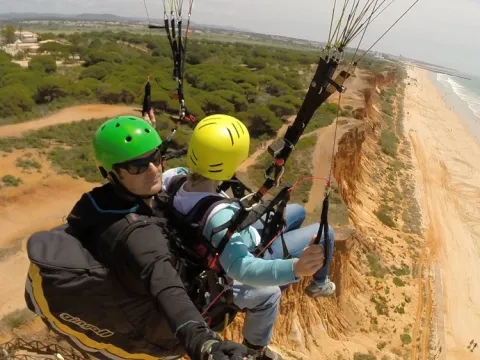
[{"x": 219, "y": 144}]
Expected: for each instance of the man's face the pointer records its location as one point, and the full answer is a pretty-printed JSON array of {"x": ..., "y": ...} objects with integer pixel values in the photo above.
[{"x": 142, "y": 175}]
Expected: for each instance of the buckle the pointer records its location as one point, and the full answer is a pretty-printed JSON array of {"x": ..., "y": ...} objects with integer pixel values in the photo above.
[{"x": 247, "y": 207}]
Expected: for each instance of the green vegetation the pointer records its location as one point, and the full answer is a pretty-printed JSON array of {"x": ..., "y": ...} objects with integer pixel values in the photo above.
[
  {"x": 16, "y": 319},
  {"x": 404, "y": 270},
  {"x": 398, "y": 202},
  {"x": 376, "y": 268},
  {"x": 406, "y": 339},
  {"x": 411, "y": 215},
  {"x": 28, "y": 164},
  {"x": 384, "y": 216},
  {"x": 381, "y": 345},
  {"x": 338, "y": 210},
  {"x": 72, "y": 153},
  {"x": 258, "y": 84},
  {"x": 324, "y": 116},
  {"x": 380, "y": 304},
  {"x": 10, "y": 180},
  {"x": 398, "y": 282},
  {"x": 389, "y": 143},
  {"x": 297, "y": 167},
  {"x": 361, "y": 356},
  {"x": 388, "y": 139},
  {"x": 261, "y": 85},
  {"x": 8, "y": 33}
]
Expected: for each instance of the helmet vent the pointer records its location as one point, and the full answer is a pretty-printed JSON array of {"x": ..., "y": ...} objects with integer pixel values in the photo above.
[
  {"x": 128, "y": 139},
  {"x": 147, "y": 131},
  {"x": 103, "y": 127},
  {"x": 117, "y": 125},
  {"x": 238, "y": 134},
  {"x": 132, "y": 118},
  {"x": 230, "y": 133},
  {"x": 194, "y": 162},
  {"x": 241, "y": 127},
  {"x": 211, "y": 123}
]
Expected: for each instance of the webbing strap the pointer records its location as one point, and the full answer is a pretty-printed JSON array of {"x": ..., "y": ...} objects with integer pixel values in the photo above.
[{"x": 324, "y": 228}]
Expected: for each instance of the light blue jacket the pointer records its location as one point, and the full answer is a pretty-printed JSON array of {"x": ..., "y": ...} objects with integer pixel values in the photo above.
[{"x": 236, "y": 259}]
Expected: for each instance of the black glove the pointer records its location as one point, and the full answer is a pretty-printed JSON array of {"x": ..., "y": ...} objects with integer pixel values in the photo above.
[
  {"x": 201, "y": 343},
  {"x": 226, "y": 350}
]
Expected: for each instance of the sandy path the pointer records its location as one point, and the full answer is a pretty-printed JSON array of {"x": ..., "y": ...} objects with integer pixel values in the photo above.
[
  {"x": 252, "y": 159},
  {"x": 67, "y": 115},
  {"x": 447, "y": 159},
  {"x": 322, "y": 159}
]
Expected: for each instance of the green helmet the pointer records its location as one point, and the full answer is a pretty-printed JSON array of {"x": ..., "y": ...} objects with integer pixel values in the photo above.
[{"x": 123, "y": 138}]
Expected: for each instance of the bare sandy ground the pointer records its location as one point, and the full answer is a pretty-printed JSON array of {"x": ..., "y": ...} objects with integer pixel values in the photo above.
[
  {"x": 68, "y": 115},
  {"x": 40, "y": 203},
  {"x": 447, "y": 159}
]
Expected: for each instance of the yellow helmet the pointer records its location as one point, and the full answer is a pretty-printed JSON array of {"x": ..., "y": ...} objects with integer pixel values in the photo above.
[{"x": 219, "y": 144}]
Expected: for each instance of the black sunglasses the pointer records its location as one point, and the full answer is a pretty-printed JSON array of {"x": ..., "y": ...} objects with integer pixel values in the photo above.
[{"x": 139, "y": 166}]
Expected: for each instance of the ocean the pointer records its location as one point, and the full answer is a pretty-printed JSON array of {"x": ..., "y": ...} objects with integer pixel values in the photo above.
[
  {"x": 466, "y": 90},
  {"x": 463, "y": 96}
]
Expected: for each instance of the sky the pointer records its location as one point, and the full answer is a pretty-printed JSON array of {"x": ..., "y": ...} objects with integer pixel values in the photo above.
[{"x": 443, "y": 32}]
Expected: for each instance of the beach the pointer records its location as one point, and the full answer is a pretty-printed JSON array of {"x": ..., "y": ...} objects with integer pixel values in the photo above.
[{"x": 446, "y": 155}]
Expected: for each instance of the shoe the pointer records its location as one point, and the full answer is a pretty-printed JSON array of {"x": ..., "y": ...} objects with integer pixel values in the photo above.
[
  {"x": 315, "y": 290},
  {"x": 262, "y": 352}
]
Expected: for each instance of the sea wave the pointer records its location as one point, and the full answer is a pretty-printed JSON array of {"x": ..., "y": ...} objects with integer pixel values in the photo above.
[{"x": 470, "y": 97}]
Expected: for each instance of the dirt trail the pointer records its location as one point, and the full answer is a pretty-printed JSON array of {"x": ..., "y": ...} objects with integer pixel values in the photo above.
[
  {"x": 322, "y": 159},
  {"x": 447, "y": 160},
  {"x": 29, "y": 207},
  {"x": 67, "y": 115},
  {"x": 40, "y": 202},
  {"x": 252, "y": 159}
]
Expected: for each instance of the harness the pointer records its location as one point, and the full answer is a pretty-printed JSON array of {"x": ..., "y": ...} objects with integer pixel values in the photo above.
[
  {"x": 209, "y": 289},
  {"x": 193, "y": 223}
]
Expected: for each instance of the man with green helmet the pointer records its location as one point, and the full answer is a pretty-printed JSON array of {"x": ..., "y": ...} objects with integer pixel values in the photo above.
[{"x": 159, "y": 311}]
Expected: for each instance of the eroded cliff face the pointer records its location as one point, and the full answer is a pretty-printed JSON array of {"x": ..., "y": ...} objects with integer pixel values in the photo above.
[
  {"x": 321, "y": 328},
  {"x": 304, "y": 325},
  {"x": 312, "y": 329},
  {"x": 348, "y": 167}
]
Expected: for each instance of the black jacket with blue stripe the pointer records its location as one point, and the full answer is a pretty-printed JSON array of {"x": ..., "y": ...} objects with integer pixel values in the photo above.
[{"x": 144, "y": 312}]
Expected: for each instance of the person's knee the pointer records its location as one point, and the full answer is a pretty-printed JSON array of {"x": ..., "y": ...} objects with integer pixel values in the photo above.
[
  {"x": 268, "y": 297},
  {"x": 260, "y": 298},
  {"x": 298, "y": 210},
  {"x": 296, "y": 215}
]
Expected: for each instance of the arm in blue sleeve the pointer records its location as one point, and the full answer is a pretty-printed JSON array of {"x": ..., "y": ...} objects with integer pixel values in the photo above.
[{"x": 240, "y": 264}]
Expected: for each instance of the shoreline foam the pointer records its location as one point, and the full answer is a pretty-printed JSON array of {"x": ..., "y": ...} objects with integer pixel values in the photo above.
[{"x": 455, "y": 96}]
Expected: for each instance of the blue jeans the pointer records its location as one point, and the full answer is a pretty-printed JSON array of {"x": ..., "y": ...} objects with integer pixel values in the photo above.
[{"x": 262, "y": 302}]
